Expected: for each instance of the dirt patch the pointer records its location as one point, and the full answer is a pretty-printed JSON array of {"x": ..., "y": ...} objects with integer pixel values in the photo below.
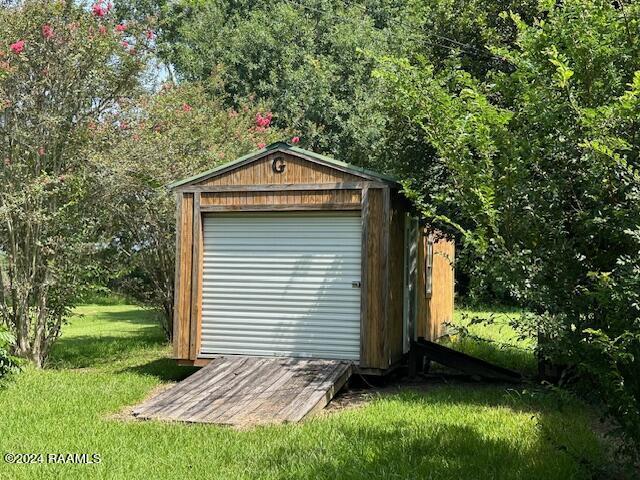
[{"x": 361, "y": 391}]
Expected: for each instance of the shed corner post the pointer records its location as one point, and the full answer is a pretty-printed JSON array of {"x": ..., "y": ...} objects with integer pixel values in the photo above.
[
  {"x": 364, "y": 295},
  {"x": 386, "y": 272},
  {"x": 176, "y": 278},
  {"x": 196, "y": 279}
]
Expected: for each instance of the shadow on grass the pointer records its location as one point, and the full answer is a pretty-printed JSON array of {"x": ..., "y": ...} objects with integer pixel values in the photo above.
[
  {"x": 106, "y": 344},
  {"x": 407, "y": 445},
  {"x": 135, "y": 316},
  {"x": 520, "y": 360},
  {"x": 164, "y": 369}
]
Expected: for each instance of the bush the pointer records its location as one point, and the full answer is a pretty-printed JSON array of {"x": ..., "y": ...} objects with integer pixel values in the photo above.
[
  {"x": 8, "y": 363},
  {"x": 542, "y": 161}
]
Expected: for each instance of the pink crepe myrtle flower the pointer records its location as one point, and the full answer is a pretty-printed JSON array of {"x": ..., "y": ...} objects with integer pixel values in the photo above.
[
  {"x": 186, "y": 107},
  {"x": 102, "y": 30},
  {"x": 263, "y": 120},
  {"x": 47, "y": 31},
  {"x": 150, "y": 35},
  {"x": 295, "y": 140},
  {"x": 17, "y": 47},
  {"x": 261, "y": 145},
  {"x": 124, "y": 44},
  {"x": 121, "y": 27},
  {"x": 100, "y": 9}
]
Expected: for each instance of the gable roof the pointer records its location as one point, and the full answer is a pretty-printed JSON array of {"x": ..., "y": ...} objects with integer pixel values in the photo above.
[{"x": 285, "y": 148}]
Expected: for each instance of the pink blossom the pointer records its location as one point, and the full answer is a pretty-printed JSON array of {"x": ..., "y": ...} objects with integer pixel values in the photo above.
[
  {"x": 261, "y": 145},
  {"x": 102, "y": 29},
  {"x": 186, "y": 107},
  {"x": 47, "y": 31},
  {"x": 233, "y": 114},
  {"x": 73, "y": 26},
  {"x": 135, "y": 137},
  {"x": 41, "y": 151},
  {"x": 295, "y": 140},
  {"x": 121, "y": 27},
  {"x": 150, "y": 35},
  {"x": 263, "y": 120},
  {"x": 99, "y": 10},
  {"x": 125, "y": 44},
  {"x": 17, "y": 47}
]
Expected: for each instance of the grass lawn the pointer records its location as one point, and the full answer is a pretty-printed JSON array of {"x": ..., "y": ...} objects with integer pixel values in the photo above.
[
  {"x": 113, "y": 356},
  {"x": 504, "y": 347}
]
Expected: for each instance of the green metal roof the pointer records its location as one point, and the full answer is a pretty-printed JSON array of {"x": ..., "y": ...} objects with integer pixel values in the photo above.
[{"x": 283, "y": 146}]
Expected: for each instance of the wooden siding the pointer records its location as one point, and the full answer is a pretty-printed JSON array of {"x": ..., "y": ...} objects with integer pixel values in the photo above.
[
  {"x": 297, "y": 170},
  {"x": 184, "y": 264},
  {"x": 372, "y": 350},
  {"x": 346, "y": 198},
  {"x": 442, "y": 294},
  {"x": 436, "y": 309},
  {"x": 395, "y": 307}
]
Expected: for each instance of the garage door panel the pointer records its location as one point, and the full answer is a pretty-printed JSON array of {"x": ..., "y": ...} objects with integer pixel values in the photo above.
[{"x": 282, "y": 284}]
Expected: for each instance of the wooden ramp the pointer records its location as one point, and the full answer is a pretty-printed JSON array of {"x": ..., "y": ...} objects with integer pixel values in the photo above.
[{"x": 244, "y": 391}]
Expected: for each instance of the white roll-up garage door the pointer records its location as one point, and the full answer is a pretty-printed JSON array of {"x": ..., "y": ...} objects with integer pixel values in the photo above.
[{"x": 284, "y": 284}]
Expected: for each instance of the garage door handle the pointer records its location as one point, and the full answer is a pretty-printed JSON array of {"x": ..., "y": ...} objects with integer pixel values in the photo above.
[{"x": 355, "y": 284}]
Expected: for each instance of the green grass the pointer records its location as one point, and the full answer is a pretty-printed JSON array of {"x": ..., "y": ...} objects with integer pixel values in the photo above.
[
  {"x": 503, "y": 347},
  {"x": 113, "y": 356}
]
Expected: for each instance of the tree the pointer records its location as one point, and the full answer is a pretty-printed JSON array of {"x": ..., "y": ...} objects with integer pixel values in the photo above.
[
  {"x": 153, "y": 141},
  {"x": 61, "y": 68},
  {"x": 541, "y": 162},
  {"x": 311, "y": 59}
]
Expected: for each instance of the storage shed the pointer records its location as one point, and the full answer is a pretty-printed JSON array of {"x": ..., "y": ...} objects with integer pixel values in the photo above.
[{"x": 285, "y": 252}]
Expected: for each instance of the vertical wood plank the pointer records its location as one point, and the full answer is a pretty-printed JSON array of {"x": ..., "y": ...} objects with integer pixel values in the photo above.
[
  {"x": 373, "y": 354},
  {"x": 177, "y": 347},
  {"x": 396, "y": 275},
  {"x": 386, "y": 239},
  {"x": 195, "y": 278},
  {"x": 364, "y": 279},
  {"x": 441, "y": 303},
  {"x": 184, "y": 259}
]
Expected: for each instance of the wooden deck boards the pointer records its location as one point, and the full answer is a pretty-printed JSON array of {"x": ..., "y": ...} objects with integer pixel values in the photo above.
[{"x": 244, "y": 391}]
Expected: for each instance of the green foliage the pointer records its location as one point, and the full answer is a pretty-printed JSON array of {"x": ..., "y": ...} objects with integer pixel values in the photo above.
[
  {"x": 146, "y": 145},
  {"x": 61, "y": 68},
  {"x": 541, "y": 161},
  {"x": 8, "y": 363},
  {"x": 311, "y": 60}
]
